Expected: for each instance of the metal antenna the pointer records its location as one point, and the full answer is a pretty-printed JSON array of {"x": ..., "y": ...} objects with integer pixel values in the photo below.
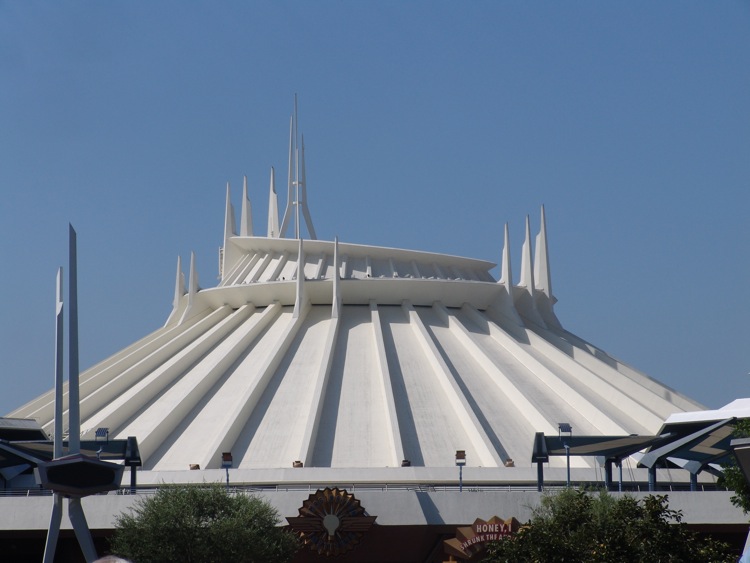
[{"x": 296, "y": 190}]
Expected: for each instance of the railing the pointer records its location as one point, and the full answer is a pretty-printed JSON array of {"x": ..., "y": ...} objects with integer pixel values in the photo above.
[{"x": 385, "y": 487}]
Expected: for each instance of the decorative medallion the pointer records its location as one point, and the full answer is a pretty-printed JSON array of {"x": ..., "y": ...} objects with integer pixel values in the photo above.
[
  {"x": 331, "y": 521},
  {"x": 470, "y": 540}
]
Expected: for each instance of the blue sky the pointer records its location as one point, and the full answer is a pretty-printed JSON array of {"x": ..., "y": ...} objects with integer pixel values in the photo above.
[{"x": 428, "y": 125}]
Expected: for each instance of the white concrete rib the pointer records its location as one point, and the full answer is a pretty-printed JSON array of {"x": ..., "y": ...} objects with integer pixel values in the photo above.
[
  {"x": 188, "y": 442},
  {"x": 392, "y": 424},
  {"x": 534, "y": 418},
  {"x": 223, "y": 438},
  {"x": 323, "y": 372},
  {"x": 609, "y": 393},
  {"x": 134, "y": 396},
  {"x": 453, "y": 393},
  {"x": 662, "y": 400},
  {"x": 564, "y": 392}
]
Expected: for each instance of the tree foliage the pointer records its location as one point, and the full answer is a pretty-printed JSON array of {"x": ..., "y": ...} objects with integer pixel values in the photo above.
[
  {"x": 202, "y": 523},
  {"x": 733, "y": 478},
  {"x": 578, "y": 526}
]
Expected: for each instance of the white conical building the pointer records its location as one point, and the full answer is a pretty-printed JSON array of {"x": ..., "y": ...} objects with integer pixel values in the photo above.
[
  {"x": 316, "y": 366},
  {"x": 374, "y": 364}
]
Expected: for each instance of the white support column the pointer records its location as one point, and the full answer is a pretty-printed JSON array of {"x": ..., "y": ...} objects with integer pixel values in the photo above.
[
  {"x": 336, "y": 298},
  {"x": 279, "y": 266},
  {"x": 301, "y": 299}
]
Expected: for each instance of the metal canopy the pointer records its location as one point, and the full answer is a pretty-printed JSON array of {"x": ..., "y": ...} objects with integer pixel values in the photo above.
[
  {"x": 34, "y": 452},
  {"x": 709, "y": 443},
  {"x": 609, "y": 447}
]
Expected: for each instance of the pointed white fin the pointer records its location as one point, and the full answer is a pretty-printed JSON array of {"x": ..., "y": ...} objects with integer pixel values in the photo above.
[
  {"x": 290, "y": 202},
  {"x": 524, "y": 300},
  {"x": 273, "y": 208},
  {"x": 192, "y": 289},
  {"x": 246, "y": 219},
  {"x": 504, "y": 304},
  {"x": 542, "y": 276},
  {"x": 527, "y": 274},
  {"x": 507, "y": 273},
  {"x": 299, "y": 302},
  {"x": 229, "y": 231},
  {"x": 303, "y": 194},
  {"x": 179, "y": 291},
  {"x": 544, "y": 298}
]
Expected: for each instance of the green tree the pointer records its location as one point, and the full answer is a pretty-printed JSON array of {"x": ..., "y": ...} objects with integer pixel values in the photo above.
[
  {"x": 574, "y": 525},
  {"x": 202, "y": 523},
  {"x": 732, "y": 477}
]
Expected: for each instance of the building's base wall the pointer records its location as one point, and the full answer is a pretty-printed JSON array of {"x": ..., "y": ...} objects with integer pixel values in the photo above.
[{"x": 410, "y": 525}]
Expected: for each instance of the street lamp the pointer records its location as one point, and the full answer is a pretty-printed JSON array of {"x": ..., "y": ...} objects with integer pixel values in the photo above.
[
  {"x": 226, "y": 463},
  {"x": 460, "y": 462},
  {"x": 568, "y": 429}
]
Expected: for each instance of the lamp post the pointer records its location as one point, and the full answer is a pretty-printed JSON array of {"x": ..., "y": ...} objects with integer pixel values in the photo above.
[
  {"x": 568, "y": 429},
  {"x": 460, "y": 462},
  {"x": 226, "y": 463}
]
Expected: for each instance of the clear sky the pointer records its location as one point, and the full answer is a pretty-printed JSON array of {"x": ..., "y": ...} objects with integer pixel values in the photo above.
[{"x": 427, "y": 125}]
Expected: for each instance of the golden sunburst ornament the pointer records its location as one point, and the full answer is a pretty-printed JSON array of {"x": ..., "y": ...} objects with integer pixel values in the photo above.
[{"x": 331, "y": 521}]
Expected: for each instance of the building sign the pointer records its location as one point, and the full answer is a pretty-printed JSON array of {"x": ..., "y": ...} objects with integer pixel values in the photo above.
[
  {"x": 470, "y": 540},
  {"x": 331, "y": 522}
]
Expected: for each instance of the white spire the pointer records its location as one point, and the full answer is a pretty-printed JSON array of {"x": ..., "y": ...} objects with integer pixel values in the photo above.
[
  {"x": 179, "y": 284},
  {"x": 230, "y": 229},
  {"x": 303, "y": 193},
  {"x": 542, "y": 277},
  {"x": 246, "y": 219},
  {"x": 192, "y": 288},
  {"x": 273, "y": 208},
  {"x": 507, "y": 273},
  {"x": 229, "y": 232},
  {"x": 296, "y": 187},
  {"x": 527, "y": 274},
  {"x": 290, "y": 200}
]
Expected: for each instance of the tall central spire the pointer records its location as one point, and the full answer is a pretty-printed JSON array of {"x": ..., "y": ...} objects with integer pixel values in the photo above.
[{"x": 296, "y": 186}]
